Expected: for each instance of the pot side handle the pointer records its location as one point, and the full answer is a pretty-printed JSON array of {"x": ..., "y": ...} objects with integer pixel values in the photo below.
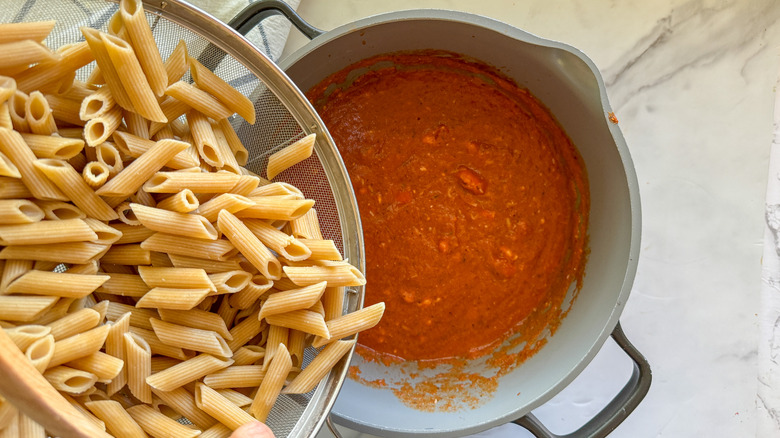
[
  {"x": 258, "y": 11},
  {"x": 617, "y": 410}
]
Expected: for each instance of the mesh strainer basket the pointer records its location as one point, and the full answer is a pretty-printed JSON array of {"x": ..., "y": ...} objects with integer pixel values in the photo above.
[{"x": 283, "y": 116}]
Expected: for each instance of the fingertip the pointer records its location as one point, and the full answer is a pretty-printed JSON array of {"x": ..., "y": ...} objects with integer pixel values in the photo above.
[{"x": 253, "y": 430}]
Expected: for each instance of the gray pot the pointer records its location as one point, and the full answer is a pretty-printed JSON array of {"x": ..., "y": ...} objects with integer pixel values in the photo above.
[{"x": 570, "y": 85}]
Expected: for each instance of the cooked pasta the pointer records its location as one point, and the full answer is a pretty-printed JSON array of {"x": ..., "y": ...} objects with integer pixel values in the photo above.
[
  {"x": 272, "y": 383},
  {"x": 290, "y": 155},
  {"x": 118, "y": 421}
]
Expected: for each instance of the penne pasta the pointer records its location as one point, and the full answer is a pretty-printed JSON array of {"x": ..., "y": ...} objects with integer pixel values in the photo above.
[
  {"x": 118, "y": 422},
  {"x": 46, "y": 146},
  {"x": 198, "y": 182},
  {"x": 36, "y": 31},
  {"x": 145, "y": 48},
  {"x": 40, "y": 352},
  {"x": 336, "y": 275},
  {"x": 183, "y": 402},
  {"x": 38, "y": 114},
  {"x": 131, "y": 233},
  {"x": 108, "y": 155},
  {"x": 303, "y": 320},
  {"x": 235, "y": 144},
  {"x": 99, "y": 128},
  {"x": 13, "y": 188},
  {"x": 95, "y": 174},
  {"x": 56, "y": 284},
  {"x": 159, "y": 348},
  {"x": 115, "y": 346},
  {"x": 157, "y": 424},
  {"x": 276, "y": 208},
  {"x": 142, "y": 168},
  {"x": 187, "y": 371},
  {"x": 255, "y": 289},
  {"x": 138, "y": 356},
  {"x": 24, "y": 335},
  {"x": 176, "y": 277},
  {"x": 182, "y": 202},
  {"x": 236, "y": 376},
  {"x": 13, "y": 146},
  {"x": 306, "y": 226},
  {"x": 69, "y": 380},
  {"x": 57, "y": 210},
  {"x": 42, "y": 232},
  {"x": 72, "y": 58},
  {"x": 289, "y": 156},
  {"x": 249, "y": 245},
  {"x": 17, "y": 110},
  {"x": 102, "y": 365},
  {"x": 198, "y": 99},
  {"x": 333, "y": 302},
  {"x": 210, "y": 266},
  {"x": 227, "y": 95},
  {"x": 297, "y": 341},
  {"x": 172, "y": 298},
  {"x": 70, "y": 252},
  {"x": 67, "y": 179},
  {"x": 244, "y": 331},
  {"x": 319, "y": 367},
  {"x": 28, "y": 428},
  {"x": 204, "y": 139},
  {"x": 219, "y": 249},
  {"x": 176, "y": 64},
  {"x": 106, "y": 234},
  {"x": 204, "y": 341},
  {"x": 172, "y": 222},
  {"x": 129, "y": 254},
  {"x": 277, "y": 336},
  {"x": 352, "y": 323},
  {"x": 97, "y": 103},
  {"x": 136, "y": 125},
  {"x": 272, "y": 383},
  {"x": 219, "y": 407},
  {"x": 136, "y": 146},
  {"x": 79, "y": 345},
  {"x": 5, "y": 115},
  {"x": 322, "y": 249},
  {"x": 24, "y": 308},
  {"x": 231, "y": 281},
  {"x": 7, "y": 88},
  {"x": 248, "y": 355},
  {"x": 198, "y": 319},
  {"x": 19, "y": 211},
  {"x": 282, "y": 243}
]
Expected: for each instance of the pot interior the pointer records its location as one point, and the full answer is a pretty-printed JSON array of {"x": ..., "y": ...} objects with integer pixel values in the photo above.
[{"x": 570, "y": 86}]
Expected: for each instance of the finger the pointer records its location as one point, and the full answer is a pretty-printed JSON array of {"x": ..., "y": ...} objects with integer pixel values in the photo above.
[{"x": 253, "y": 430}]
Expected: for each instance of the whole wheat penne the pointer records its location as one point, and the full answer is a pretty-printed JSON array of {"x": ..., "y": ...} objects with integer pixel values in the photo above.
[
  {"x": 89, "y": 268},
  {"x": 58, "y": 310},
  {"x": 64, "y": 110},
  {"x": 277, "y": 189},
  {"x": 118, "y": 421},
  {"x": 303, "y": 320},
  {"x": 187, "y": 371},
  {"x": 97, "y": 103},
  {"x": 297, "y": 346},
  {"x": 23, "y": 53},
  {"x": 322, "y": 249},
  {"x": 277, "y": 336},
  {"x": 17, "y": 109},
  {"x": 56, "y": 284},
  {"x": 210, "y": 266},
  {"x": 107, "y": 154},
  {"x": 39, "y": 116},
  {"x": 295, "y": 299},
  {"x": 95, "y": 174},
  {"x": 136, "y": 125},
  {"x": 245, "y": 331},
  {"x": 19, "y": 211},
  {"x": 230, "y": 163},
  {"x": 115, "y": 346},
  {"x": 219, "y": 407},
  {"x": 13, "y": 269},
  {"x": 74, "y": 323},
  {"x": 5, "y": 115},
  {"x": 337, "y": 275},
  {"x": 137, "y": 146},
  {"x": 24, "y": 308},
  {"x": 106, "y": 234},
  {"x": 102, "y": 365},
  {"x": 227, "y": 95},
  {"x": 126, "y": 214},
  {"x": 248, "y": 355},
  {"x": 243, "y": 376},
  {"x": 235, "y": 144},
  {"x": 107, "y": 69},
  {"x": 226, "y": 201},
  {"x": 172, "y": 298},
  {"x": 129, "y": 254},
  {"x": 245, "y": 185},
  {"x": 271, "y": 386},
  {"x": 7, "y": 88},
  {"x": 13, "y": 188},
  {"x": 204, "y": 139},
  {"x": 195, "y": 318},
  {"x": 183, "y": 402},
  {"x": 69, "y": 380},
  {"x": 198, "y": 99},
  {"x": 46, "y": 146},
  {"x": 276, "y": 208},
  {"x": 176, "y": 64},
  {"x": 8, "y": 414},
  {"x": 138, "y": 317},
  {"x": 159, "y": 425},
  {"x": 28, "y": 428},
  {"x": 176, "y": 277},
  {"x": 198, "y": 182},
  {"x": 142, "y": 168},
  {"x": 72, "y": 58},
  {"x": 144, "y": 45},
  {"x": 70, "y": 252},
  {"x": 42, "y": 232},
  {"x": 219, "y": 249},
  {"x": 40, "y": 352},
  {"x": 285, "y": 245},
  {"x": 159, "y": 348},
  {"x": 247, "y": 296},
  {"x": 131, "y": 233},
  {"x": 351, "y": 323},
  {"x": 172, "y": 222},
  {"x": 126, "y": 285},
  {"x": 230, "y": 282},
  {"x": 182, "y": 202},
  {"x": 13, "y": 146},
  {"x": 218, "y": 430},
  {"x": 291, "y": 155},
  {"x": 249, "y": 245},
  {"x": 99, "y": 128},
  {"x": 80, "y": 345},
  {"x": 24, "y": 335},
  {"x": 138, "y": 356},
  {"x": 205, "y": 341},
  {"x": 173, "y": 109},
  {"x": 7, "y": 168},
  {"x": 333, "y": 302},
  {"x": 319, "y": 367},
  {"x": 35, "y": 31},
  {"x": 57, "y": 210},
  {"x": 67, "y": 179},
  {"x": 306, "y": 226}
]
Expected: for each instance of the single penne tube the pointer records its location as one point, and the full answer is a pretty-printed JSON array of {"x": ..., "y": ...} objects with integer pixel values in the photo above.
[
  {"x": 126, "y": 285},
  {"x": 243, "y": 376},
  {"x": 172, "y": 298},
  {"x": 5, "y": 115},
  {"x": 72, "y": 58},
  {"x": 57, "y": 210},
  {"x": 198, "y": 182},
  {"x": 35, "y": 31},
  {"x": 290, "y": 155},
  {"x": 276, "y": 208},
  {"x": 219, "y": 249},
  {"x": 322, "y": 249},
  {"x": 173, "y": 109},
  {"x": 210, "y": 266},
  {"x": 187, "y": 371},
  {"x": 145, "y": 47},
  {"x": 230, "y": 282},
  {"x": 198, "y": 99},
  {"x": 17, "y": 110},
  {"x": 297, "y": 341},
  {"x": 24, "y": 308},
  {"x": 56, "y": 284},
  {"x": 102, "y": 365},
  {"x": 106, "y": 234},
  {"x": 74, "y": 323},
  {"x": 89, "y": 268},
  {"x": 351, "y": 323},
  {"x": 71, "y": 252},
  {"x": 70, "y": 182},
  {"x": 224, "y": 150},
  {"x": 58, "y": 310},
  {"x": 132, "y": 77},
  {"x": 95, "y": 174},
  {"x": 12, "y": 145},
  {"x": 272, "y": 384},
  {"x": 118, "y": 421},
  {"x": 107, "y": 154},
  {"x": 176, "y": 64},
  {"x": 306, "y": 226},
  {"x": 97, "y": 103},
  {"x": 303, "y": 320},
  {"x": 129, "y": 254},
  {"x": 244, "y": 331},
  {"x": 176, "y": 277},
  {"x": 182, "y": 202},
  {"x": 40, "y": 352},
  {"x": 235, "y": 144},
  {"x": 248, "y": 355},
  {"x": 64, "y": 110},
  {"x": 69, "y": 380},
  {"x": 42, "y": 232},
  {"x": 47, "y": 146},
  {"x": 172, "y": 222},
  {"x": 277, "y": 336},
  {"x": 333, "y": 302},
  {"x": 138, "y": 356},
  {"x": 204, "y": 139},
  {"x": 277, "y": 189},
  {"x": 78, "y": 346},
  {"x": 137, "y": 146},
  {"x": 13, "y": 188},
  {"x": 136, "y": 125},
  {"x": 39, "y": 115},
  {"x": 159, "y": 348},
  {"x": 319, "y": 367},
  {"x": 294, "y": 299},
  {"x": 131, "y": 233},
  {"x": 13, "y": 269},
  {"x": 19, "y": 211},
  {"x": 199, "y": 319},
  {"x": 249, "y": 245},
  {"x": 158, "y": 424},
  {"x": 7, "y": 88},
  {"x": 99, "y": 128},
  {"x": 24, "y": 335},
  {"x": 219, "y": 407},
  {"x": 7, "y": 168},
  {"x": 256, "y": 288},
  {"x": 142, "y": 168},
  {"x": 245, "y": 185},
  {"x": 226, "y": 201},
  {"x": 107, "y": 69},
  {"x": 227, "y": 95},
  {"x": 204, "y": 341},
  {"x": 126, "y": 214},
  {"x": 285, "y": 245},
  {"x": 336, "y": 275},
  {"x": 23, "y": 53},
  {"x": 183, "y": 402}
]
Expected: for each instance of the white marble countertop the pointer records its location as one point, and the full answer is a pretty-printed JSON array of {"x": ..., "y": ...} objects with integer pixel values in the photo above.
[{"x": 692, "y": 83}]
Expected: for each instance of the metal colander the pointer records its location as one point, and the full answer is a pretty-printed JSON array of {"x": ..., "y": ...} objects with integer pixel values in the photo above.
[{"x": 283, "y": 116}]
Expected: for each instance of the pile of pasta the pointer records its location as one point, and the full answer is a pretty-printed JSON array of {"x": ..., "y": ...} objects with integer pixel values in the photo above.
[{"x": 146, "y": 274}]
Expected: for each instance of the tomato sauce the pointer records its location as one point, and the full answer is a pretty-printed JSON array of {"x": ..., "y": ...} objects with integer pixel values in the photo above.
[{"x": 473, "y": 200}]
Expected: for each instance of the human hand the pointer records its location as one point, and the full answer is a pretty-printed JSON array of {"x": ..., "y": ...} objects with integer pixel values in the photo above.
[{"x": 253, "y": 430}]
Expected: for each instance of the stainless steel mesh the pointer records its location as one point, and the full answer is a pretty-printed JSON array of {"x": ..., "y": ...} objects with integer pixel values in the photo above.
[{"x": 283, "y": 116}]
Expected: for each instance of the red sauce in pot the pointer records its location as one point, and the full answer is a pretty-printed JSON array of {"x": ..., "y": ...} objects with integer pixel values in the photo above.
[{"x": 473, "y": 200}]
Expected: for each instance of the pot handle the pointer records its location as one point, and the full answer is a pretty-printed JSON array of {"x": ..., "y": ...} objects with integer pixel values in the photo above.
[
  {"x": 258, "y": 11},
  {"x": 616, "y": 410}
]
